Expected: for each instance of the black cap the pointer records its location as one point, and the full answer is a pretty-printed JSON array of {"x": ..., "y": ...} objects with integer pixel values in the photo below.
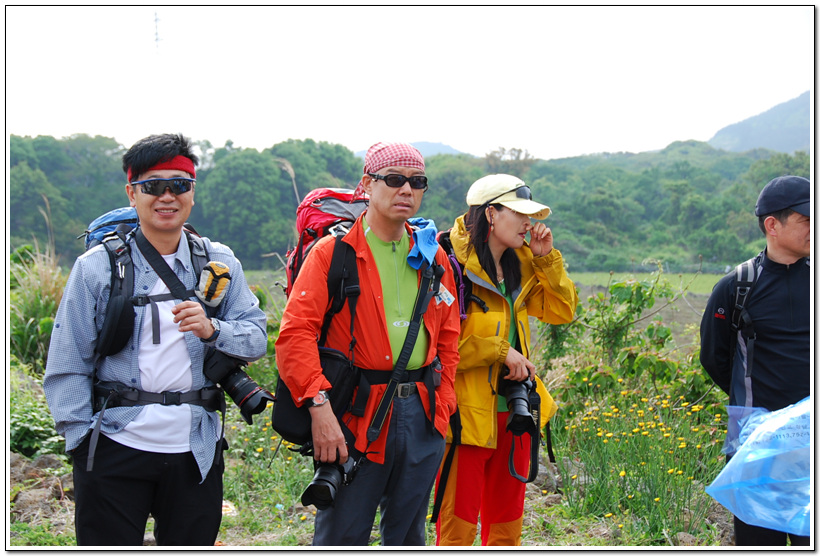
[{"x": 785, "y": 192}]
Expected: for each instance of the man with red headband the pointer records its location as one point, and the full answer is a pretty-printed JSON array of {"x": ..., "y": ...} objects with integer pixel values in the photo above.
[
  {"x": 397, "y": 468},
  {"x": 155, "y": 448}
]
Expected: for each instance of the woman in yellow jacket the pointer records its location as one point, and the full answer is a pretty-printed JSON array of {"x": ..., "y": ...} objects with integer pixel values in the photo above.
[{"x": 514, "y": 280}]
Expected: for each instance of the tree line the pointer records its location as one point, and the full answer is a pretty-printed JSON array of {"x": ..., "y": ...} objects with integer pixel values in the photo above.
[{"x": 689, "y": 205}]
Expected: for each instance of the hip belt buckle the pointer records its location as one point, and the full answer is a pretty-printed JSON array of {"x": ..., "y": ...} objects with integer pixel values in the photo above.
[
  {"x": 171, "y": 398},
  {"x": 406, "y": 389}
]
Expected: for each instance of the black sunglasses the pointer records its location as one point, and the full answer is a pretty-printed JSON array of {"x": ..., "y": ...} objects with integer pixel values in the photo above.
[
  {"x": 521, "y": 192},
  {"x": 397, "y": 180},
  {"x": 156, "y": 186}
]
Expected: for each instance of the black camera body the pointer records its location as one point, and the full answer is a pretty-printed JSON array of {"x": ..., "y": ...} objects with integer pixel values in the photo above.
[
  {"x": 521, "y": 420},
  {"x": 328, "y": 478},
  {"x": 524, "y": 405},
  {"x": 245, "y": 393}
]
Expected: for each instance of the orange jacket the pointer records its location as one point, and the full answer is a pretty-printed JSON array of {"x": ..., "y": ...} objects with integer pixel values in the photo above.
[{"x": 297, "y": 356}]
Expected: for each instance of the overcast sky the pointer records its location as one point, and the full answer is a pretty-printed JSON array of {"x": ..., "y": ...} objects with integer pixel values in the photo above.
[{"x": 556, "y": 81}]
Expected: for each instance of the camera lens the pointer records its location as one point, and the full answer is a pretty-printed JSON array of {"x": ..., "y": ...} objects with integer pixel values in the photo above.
[
  {"x": 321, "y": 492},
  {"x": 246, "y": 394},
  {"x": 520, "y": 420}
]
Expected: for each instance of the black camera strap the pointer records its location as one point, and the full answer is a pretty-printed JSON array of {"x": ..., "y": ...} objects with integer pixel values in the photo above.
[
  {"x": 178, "y": 291},
  {"x": 175, "y": 285},
  {"x": 535, "y": 437},
  {"x": 429, "y": 274}
]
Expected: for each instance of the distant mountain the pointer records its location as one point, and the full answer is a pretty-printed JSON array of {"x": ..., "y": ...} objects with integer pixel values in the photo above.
[
  {"x": 784, "y": 128},
  {"x": 694, "y": 153},
  {"x": 426, "y": 149}
]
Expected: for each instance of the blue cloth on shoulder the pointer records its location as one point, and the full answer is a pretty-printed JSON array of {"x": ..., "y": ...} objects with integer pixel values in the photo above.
[{"x": 425, "y": 245}]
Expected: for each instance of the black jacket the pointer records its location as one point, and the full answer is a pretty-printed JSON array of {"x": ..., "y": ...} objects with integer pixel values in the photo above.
[{"x": 779, "y": 306}]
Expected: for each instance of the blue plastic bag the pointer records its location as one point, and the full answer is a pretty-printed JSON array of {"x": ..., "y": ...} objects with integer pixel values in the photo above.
[{"x": 767, "y": 481}]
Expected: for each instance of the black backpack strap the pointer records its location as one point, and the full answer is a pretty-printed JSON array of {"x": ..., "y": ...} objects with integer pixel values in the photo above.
[
  {"x": 342, "y": 285},
  {"x": 444, "y": 476},
  {"x": 178, "y": 289},
  {"x": 162, "y": 269},
  {"x": 199, "y": 259},
  {"x": 430, "y": 282},
  {"x": 119, "y": 316},
  {"x": 745, "y": 278},
  {"x": 548, "y": 434},
  {"x": 464, "y": 286},
  {"x": 115, "y": 394}
]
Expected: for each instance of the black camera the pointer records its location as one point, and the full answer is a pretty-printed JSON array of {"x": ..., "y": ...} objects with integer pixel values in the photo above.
[
  {"x": 520, "y": 420},
  {"x": 524, "y": 405},
  {"x": 245, "y": 393},
  {"x": 328, "y": 478}
]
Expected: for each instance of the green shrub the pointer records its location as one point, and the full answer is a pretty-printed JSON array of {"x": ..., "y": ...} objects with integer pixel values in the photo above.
[
  {"x": 37, "y": 290},
  {"x": 31, "y": 427},
  {"x": 27, "y": 534}
]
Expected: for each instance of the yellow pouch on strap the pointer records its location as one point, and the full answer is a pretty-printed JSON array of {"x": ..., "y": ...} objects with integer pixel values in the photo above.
[{"x": 213, "y": 283}]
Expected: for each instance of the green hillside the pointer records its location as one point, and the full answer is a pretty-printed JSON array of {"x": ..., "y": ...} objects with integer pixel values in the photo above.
[{"x": 689, "y": 206}]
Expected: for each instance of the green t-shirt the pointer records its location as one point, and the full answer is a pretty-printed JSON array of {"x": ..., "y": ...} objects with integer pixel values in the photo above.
[
  {"x": 513, "y": 336},
  {"x": 399, "y": 290}
]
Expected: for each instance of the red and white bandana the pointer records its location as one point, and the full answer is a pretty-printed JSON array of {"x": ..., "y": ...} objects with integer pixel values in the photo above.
[
  {"x": 382, "y": 155},
  {"x": 179, "y": 162}
]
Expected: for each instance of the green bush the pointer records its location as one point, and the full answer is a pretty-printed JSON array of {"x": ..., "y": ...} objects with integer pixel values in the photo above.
[
  {"x": 27, "y": 534},
  {"x": 37, "y": 288},
  {"x": 31, "y": 427}
]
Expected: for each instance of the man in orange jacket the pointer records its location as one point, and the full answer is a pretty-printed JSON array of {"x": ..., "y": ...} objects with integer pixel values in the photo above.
[{"x": 400, "y": 467}]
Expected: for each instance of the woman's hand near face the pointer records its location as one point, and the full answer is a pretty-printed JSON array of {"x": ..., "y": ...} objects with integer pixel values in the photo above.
[{"x": 540, "y": 239}]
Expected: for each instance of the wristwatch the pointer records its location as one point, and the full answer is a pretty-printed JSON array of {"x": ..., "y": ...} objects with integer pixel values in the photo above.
[
  {"x": 320, "y": 398},
  {"x": 215, "y": 335}
]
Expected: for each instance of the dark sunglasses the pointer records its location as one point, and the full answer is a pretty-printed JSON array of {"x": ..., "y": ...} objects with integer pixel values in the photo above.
[
  {"x": 157, "y": 186},
  {"x": 397, "y": 180},
  {"x": 521, "y": 192}
]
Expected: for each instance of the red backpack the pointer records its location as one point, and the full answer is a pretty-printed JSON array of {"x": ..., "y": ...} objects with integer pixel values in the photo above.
[{"x": 323, "y": 211}]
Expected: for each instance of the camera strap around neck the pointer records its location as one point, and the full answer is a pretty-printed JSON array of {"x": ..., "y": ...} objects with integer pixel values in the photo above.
[
  {"x": 426, "y": 292},
  {"x": 175, "y": 285}
]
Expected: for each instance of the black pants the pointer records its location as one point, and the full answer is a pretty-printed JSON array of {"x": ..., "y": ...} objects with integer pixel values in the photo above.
[
  {"x": 752, "y": 535},
  {"x": 114, "y": 500}
]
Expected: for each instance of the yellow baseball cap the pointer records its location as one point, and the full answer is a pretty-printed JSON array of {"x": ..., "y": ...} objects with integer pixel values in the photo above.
[{"x": 508, "y": 191}]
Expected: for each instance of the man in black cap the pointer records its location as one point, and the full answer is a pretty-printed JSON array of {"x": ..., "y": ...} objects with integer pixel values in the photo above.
[{"x": 763, "y": 359}]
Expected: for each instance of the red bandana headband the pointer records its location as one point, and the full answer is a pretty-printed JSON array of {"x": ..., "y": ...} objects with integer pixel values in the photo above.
[
  {"x": 382, "y": 155},
  {"x": 179, "y": 162}
]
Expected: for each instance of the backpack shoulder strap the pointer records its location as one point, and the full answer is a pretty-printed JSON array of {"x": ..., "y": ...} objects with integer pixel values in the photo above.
[
  {"x": 199, "y": 259},
  {"x": 463, "y": 284},
  {"x": 746, "y": 274},
  {"x": 342, "y": 285},
  {"x": 745, "y": 277},
  {"x": 119, "y": 315}
]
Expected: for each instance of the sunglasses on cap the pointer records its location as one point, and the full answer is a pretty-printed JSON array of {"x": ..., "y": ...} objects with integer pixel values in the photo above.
[
  {"x": 521, "y": 192},
  {"x": 397, "y": 180},
  {"x": 157, "y": 186}
]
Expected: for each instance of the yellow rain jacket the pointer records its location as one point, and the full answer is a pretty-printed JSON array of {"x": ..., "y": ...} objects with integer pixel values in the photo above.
[{"x": 546, "y": 292}]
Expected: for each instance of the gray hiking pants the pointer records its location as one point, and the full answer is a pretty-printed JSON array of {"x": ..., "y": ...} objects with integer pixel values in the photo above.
[{"x": 400, "y": 487}]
